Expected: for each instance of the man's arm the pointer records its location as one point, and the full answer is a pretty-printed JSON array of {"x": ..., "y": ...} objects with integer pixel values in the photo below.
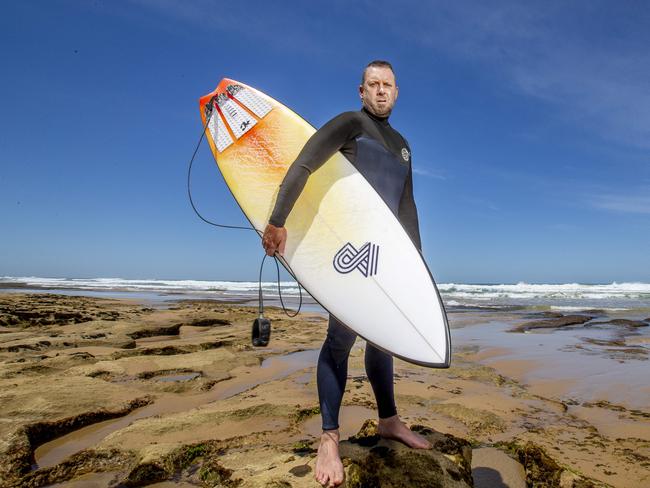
[
  {"x": 408, "y": 212},
  {"x": 319, "y": 148}
]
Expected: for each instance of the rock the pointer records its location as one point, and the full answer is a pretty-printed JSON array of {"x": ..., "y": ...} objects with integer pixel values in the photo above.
[
  {"x": 303, "y": 447},
  {"x": 372, "y": 461},
  {"x": 252, "y": 461},
  {"x": 213, "y": 474},
  {"x": 627, "y": 323},
  {"x": 35, "y": 414},
  {"x": 542, "y": 471},
  {"x": 210, "y": 322},
  {"x": 40, "y": 310},
  {"x": 300, "y": 471},
  {"x": 552, "y": 323},
  {"x": 125, "y": 344},
  {"x": 80, "y": 464},
  {"x": 250, "y": 431},
  {"x": 492, "y": 467},
  {"x": 98, "y": 335},
  {"x": 547, "y": 315},
  {"x": 477, "y": 420},
  {"x": 202, "y": 458},
  {"x": 110, "y": 315},
  {"x": 155, "y": 331},
  {"x": 304, "y": 413},
  {"x": 595, "y": 311},
  {"x": 16, "y": 453}
]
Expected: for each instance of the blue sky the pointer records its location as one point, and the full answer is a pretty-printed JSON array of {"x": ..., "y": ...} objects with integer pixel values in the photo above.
[{"x": 529, "y": 124}]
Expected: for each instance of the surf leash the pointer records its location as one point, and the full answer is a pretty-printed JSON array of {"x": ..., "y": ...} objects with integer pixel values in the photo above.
[{"x": 261, "y": 326}]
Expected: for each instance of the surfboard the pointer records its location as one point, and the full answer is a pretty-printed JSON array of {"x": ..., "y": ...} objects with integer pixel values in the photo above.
[{"x": 344, "y": 244}]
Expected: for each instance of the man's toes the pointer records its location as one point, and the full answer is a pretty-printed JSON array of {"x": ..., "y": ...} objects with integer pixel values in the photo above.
[{"x": 424, "y": 442}]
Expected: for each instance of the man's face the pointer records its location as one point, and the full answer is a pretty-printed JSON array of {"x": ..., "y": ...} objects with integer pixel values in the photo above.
[{"x": 379, "y": 91}]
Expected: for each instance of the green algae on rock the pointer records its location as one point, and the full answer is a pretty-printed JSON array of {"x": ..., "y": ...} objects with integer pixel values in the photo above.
[
  {"x": 374, "y": 462},
  {"x": 304, "y": 413},
  {"x": 542, "y": 471}
]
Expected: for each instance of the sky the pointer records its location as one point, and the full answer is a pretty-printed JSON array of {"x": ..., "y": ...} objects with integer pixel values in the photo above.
[{"x": 529, "y": 124}]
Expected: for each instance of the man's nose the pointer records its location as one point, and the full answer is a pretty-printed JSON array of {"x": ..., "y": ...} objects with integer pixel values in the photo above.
[{"x": 381, "y": 88}]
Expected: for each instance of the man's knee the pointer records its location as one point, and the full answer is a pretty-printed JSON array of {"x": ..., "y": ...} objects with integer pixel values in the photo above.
[
  {"x": 339, "y": 340},
  {"x": 373, "y": 353},
  {"x": 378, "y": 362}
]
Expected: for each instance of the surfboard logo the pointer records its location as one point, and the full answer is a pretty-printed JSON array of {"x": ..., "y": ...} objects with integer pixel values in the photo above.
[
  {"x": 365, "y": 259},
  {"x": 405, "y": 154}
]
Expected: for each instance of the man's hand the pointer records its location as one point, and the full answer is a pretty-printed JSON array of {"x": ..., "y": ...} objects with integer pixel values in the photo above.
[{"x": 274, "y": 239}]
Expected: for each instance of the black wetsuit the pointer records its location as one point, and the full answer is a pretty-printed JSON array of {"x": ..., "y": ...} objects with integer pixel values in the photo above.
[{"x": 383, "y": 157}]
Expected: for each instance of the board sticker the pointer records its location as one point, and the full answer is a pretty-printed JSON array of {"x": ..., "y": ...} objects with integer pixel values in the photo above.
[
  {"x": 219, "y": 132},
  {"x": 249, "y": 99},
  {"x": 237, "y": 118}
]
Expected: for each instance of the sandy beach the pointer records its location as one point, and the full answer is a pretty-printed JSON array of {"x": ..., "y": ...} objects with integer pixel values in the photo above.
[{"x": 120, "y": 392}]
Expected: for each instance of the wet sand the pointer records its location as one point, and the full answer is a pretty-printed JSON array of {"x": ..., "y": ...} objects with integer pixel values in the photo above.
[{"x": 97, "y": 391}]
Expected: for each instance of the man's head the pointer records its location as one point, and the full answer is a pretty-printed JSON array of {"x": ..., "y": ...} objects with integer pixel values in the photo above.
[{"x": 378, "y": 89}]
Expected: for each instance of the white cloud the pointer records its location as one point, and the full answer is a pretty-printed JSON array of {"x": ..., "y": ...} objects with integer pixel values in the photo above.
[
  {"x": 628, "y": 203},
  {"x": 429, "y": 174},
  {"x": 590, "y": 59}
]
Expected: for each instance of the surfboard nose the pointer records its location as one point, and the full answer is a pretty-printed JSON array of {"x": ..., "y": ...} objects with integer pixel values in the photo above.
[{"x": 233, "y": 109}]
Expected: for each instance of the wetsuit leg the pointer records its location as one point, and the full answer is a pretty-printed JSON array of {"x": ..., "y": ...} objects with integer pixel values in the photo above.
[
  {"x": 379, "y": 368},
  {"x": 332, "y": 371}
]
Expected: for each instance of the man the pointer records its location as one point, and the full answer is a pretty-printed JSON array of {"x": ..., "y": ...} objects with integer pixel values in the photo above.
[{"x": 382, "y": 155}]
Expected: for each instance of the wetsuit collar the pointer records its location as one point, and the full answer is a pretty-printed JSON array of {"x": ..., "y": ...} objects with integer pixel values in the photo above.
[{"x": 382, "y": 120}]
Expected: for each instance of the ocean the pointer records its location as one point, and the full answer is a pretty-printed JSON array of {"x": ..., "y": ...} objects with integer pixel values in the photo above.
[{"x": 541, "y": 296}]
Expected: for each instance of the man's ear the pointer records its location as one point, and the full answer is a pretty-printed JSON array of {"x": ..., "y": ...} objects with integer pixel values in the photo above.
[{"x": 361, "y": 92}]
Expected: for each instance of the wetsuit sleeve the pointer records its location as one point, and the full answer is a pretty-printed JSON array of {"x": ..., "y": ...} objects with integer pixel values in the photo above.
[
  {"x": 319, "y": 148},
  {"x": 408, "y": 212}
]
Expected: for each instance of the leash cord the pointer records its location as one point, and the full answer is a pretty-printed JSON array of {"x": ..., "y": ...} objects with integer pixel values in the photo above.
[{"x": 260, "y": 233}]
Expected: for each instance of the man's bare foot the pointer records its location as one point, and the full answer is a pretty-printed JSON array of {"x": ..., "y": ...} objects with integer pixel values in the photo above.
[
  {"x": 329, "y": 468},
  {"x": 394, "y": 428}
]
